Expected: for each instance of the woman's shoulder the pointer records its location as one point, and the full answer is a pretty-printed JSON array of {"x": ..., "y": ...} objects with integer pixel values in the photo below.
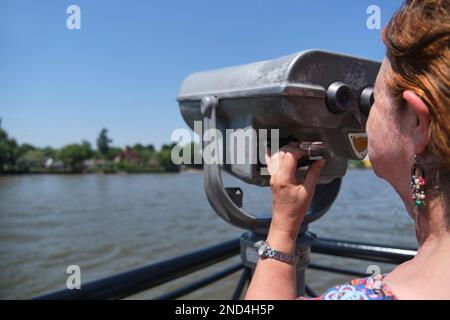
[{"x": 369, "y": 288}]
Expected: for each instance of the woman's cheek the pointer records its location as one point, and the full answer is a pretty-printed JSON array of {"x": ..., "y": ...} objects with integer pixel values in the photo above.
[{"x": 372, "y": 136}]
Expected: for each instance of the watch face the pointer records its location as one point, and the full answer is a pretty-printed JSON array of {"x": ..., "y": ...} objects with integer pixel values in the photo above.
[{"x": 262, "y": 249}]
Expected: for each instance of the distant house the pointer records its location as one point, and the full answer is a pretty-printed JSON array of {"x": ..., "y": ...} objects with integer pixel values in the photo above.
[
  {"x": 153, "y": 162},
  {"x": 95, "y": 163},
  {"x": 89, "y": 163},
  {"x": 127, "y": 155},
  {"x": 50, "y": 163}
]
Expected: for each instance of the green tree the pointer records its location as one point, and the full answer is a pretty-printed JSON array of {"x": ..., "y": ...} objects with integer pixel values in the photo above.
[
  {"x": 113, "y": 153},
  {"x": 146, "y": 154},
  {"x": 127, "y": 166},
  {"x": 8, "y": 152},
  {"x": 138, "y": 148},
  {"x": 73, "y": 155},
  {"x": 33, "y": 158},
  {"x": 168, "y": 146},
  {"x": 165, "y": 158},
  {"x": 24, "y": 148},
  {"x": 50, "y": 152},
  {"x": 194, "y": 149},
  {"x": 103, "y": 142}
]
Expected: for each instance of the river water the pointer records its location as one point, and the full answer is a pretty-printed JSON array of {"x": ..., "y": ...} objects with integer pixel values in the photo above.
[{"x": 107, "y": 224}]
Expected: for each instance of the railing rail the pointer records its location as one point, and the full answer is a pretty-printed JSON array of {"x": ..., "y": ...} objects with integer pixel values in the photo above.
[
  {"x": 145, "y": 278},
  {"x": 138, "y": 280},
  {"x": 363, "y": 251}
]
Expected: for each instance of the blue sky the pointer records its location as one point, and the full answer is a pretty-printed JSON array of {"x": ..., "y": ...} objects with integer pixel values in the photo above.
[{"x": 122, "y": 70}]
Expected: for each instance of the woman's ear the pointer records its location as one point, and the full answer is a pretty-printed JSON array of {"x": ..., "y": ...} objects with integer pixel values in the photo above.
[{"x": 420, "y": 130}]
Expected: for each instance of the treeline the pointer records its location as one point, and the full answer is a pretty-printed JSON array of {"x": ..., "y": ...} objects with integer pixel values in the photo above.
[{"x": 83, "y": 158}]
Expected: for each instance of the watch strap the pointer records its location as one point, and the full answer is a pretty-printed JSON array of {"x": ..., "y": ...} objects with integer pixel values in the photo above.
[{"x": 268, "y": 252}]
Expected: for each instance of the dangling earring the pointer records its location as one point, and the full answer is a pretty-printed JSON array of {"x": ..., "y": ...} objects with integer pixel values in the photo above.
[{"x": 418, "y": 183}]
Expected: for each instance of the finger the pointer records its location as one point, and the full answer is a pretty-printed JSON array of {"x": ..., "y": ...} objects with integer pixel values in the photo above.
[
  {"x": 268, "y": 151},
  {"x": 294, "y": 150},
  {"x": 276, "y": 158},
  {"x": 267, "y": 156},
  {"x": 288, "y": 167},
  {"x": 275, "y": 161},
  {"x": 312, "y": 175}
]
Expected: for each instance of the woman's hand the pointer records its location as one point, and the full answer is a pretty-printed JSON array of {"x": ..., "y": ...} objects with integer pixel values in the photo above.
[
  {"x": 290, "y": 198},
  {"x": 273, "y": 279}
]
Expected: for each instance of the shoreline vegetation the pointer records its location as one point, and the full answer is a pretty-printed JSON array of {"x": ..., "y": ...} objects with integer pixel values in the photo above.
[
  {"x": 81, "y": 158},
  {"x": 360, "y": 164}
]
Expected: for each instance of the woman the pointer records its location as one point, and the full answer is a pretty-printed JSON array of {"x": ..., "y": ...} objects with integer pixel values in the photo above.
[{"x": 409, "y": 133}]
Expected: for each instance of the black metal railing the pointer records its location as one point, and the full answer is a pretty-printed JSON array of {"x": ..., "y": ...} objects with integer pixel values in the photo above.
[{"x": 145, "y": 278}]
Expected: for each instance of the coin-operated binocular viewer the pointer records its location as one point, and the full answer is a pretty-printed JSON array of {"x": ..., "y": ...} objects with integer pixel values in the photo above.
[{"x": 318, "y": 99}]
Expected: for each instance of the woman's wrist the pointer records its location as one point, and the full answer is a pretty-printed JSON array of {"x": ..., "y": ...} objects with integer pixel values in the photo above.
[
  {"x": 283, "y": 225},
  {"x": 280, "y": 240}
]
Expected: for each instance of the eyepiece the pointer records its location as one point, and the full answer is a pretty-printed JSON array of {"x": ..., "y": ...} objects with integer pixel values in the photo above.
[
  {"x": 366, "y": 101},
  {"x": 339, "y": 96}
]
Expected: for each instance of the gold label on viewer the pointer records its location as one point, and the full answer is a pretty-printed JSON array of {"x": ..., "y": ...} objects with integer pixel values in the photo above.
[{"x": 359, "y": 144}]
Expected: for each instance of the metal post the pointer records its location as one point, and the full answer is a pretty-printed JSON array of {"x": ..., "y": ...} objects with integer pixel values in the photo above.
[{"x": 245, "y": 277}]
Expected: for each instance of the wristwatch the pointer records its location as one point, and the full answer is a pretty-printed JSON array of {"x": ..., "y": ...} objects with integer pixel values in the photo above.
[{"x": 265, "y": 251}]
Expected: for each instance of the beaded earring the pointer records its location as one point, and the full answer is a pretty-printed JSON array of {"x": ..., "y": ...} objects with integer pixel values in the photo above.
[{"x": 418, "y": 183}]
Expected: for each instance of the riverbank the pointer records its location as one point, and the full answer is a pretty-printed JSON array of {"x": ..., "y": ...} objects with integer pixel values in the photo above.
[
  {"x": 99, "y": 172},
  {"x": 360, "y": 165}
]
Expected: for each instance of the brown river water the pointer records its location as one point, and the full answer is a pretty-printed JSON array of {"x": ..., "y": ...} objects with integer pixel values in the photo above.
[{"x": 107, "y": 224}]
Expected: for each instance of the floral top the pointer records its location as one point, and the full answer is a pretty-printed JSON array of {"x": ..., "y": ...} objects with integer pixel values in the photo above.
[{"x": 370, "y": 288}]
